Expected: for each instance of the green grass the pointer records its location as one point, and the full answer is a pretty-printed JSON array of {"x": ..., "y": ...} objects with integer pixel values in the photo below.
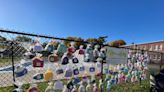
[
  {"x": 131, "y": 87},
  {"x": 154, "y": 68},
  {"x": 8, "y": 60},
  {"x": 124, "y": 87}
]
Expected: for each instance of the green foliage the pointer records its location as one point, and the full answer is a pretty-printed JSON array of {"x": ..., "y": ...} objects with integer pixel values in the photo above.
[
  {"x": 77, "y": 44},
  {"x": 2, "y": 45},
  {"x": 117, "y": 43},
  {"x": 95, "y": 41},
  {"x": 100, "y": 40},
  {"x": 92, "y": 40},
  {"x": 55, "y": 43},
  {"x": 2, "y": 38},
  {"x": 23, "y": 39},
  {"x": 67, "y": 43},
  {"x": 44, "y": 44}
]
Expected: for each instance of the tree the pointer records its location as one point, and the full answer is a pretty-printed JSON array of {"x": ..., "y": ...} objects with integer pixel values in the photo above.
[
  {"x": 76, "y": 44},
  {"x": 117, "y": 43},
  {"x": 44, "y": 44},
  {"x": 67, "y": 43},
  {"x": 81, "y": 42},
  {"x": 55, "y": 44},
  {"x": 92, "y": 41},
  {"x": 2, "y": 45},
  {"x": 23, "y": 39},
  {"x": 95, "y": 41},
  {"x": 2, "y": 38},
  {"x": 101, "y": 40}
]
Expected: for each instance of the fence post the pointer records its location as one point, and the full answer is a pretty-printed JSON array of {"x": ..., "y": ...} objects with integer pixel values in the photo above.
[
  {"x": 102, "y": 75},
  {"x": 161, "y": 60},
  {"x": 102, "y": 67},
  {"x": 12, "y": 59}
]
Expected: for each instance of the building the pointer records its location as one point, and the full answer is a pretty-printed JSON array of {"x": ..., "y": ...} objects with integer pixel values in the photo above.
[
  {"x": 157, "y": 46},
  {"x": 156, "y": 50}
]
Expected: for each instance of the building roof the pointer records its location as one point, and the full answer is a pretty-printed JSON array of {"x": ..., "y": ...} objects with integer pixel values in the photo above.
[{"x": 144, "y": 43}]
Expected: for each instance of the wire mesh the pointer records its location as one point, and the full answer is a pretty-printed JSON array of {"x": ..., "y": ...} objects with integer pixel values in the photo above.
[{"x": 21, "y": 44}]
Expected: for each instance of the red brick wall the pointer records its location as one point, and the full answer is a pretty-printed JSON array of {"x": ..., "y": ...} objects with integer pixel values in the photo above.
[{"x": 147, "y": 46}]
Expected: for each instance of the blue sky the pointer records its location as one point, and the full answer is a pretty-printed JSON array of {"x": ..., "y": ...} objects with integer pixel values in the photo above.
[{"x": 132, "y": 20}]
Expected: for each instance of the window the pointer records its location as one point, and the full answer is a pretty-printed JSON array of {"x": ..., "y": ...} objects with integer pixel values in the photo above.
[
  {"x": 142, "y": 47},
  {"x": 145, "y": 47},
  {"x": 161, "y": 47},
  {"x": 156, "y": 47},
  {"x": 156, "y": 57},
  {"x": 151, "y": 48},
  {"x": 159, "y": 57},
  {"x": 152, "y": 57}
]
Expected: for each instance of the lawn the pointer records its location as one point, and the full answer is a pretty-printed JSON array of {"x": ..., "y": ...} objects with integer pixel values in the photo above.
[
  {"x": 124, "y": 87},
  {"x": 5, "y": 61}
]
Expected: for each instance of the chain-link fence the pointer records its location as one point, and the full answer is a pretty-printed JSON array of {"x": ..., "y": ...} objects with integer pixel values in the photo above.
[
  {"x": 36, "y": 59},
  {"x": 31, "y": 59}
]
